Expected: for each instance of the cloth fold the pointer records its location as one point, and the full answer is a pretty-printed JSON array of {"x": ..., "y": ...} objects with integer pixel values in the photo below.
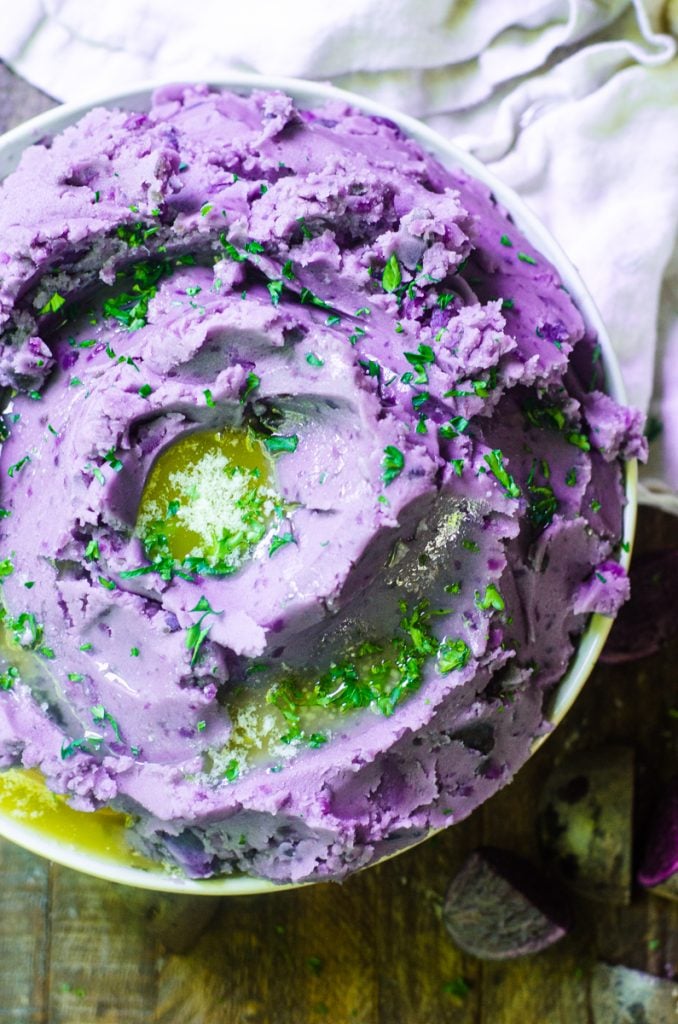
[{"x": 574, "y": 103}]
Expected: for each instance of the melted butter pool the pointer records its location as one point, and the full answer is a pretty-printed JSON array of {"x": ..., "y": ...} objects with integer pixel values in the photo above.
[
  {"x": 209, "y": 497},
  {"x": 25, "y": 798}
]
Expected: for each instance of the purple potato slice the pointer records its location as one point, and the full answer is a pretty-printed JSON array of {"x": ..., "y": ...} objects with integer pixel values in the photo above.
[{"x": 500, "y": 906}]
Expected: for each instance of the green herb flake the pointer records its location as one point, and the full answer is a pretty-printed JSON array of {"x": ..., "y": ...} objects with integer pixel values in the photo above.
[
  {"x": 452, "y": 655},
  {"x": 306, "y": 296},
  {"x": 454, "y": 426},
  {"x": 75, "y": 677},
  {"x": 526, "y": 258},
  {"x": 113, "y": 461},
  {"x": 276, "y": 444},
  {"x": 53, "y": 304},
  {"x": 252, "y": 382},
  {"x": 313, "y": 360},
  {"x": 85, "y": 647},
  {"x": 495, "y": 461},
  {"x": 275, "y": 289},
  {"x": 232, "y": 770},
  {"x": 205, "y": 209},
  {"x": 333, "y": 319},
  {"x": 134, "y": 652},
  {"x": 393, "y": 463},
  {"x": 101, "y": 716},
  {"x": 288, "y": 270},
  {"x": 505, "y": 240},
  {"x": 423, "y": 356},
  {"x": 18, "y": 466},
  {"x": 106, "y": 583},
  {"x": 578, "y": 440},
  {"x": 457, "y": 466},
  {"x": 317, "y": 739},
  {"x": 92, "y": 551},
  {"x": 491, "y": 599},
  {"x": 6, "y": 568},
  {"x": 392, "y": 275},
  {"x": 9, "y": 677},
  {"x": 280, "y": 542},
  {"x": 571, "y": 477},
  {"x": 458, "y": 988},
  {"x": 315, "y": 964},
  {"x": 209, "y": 401},
  {"x": 145, "y": 390},
  {"x": 69, "y": 749}
]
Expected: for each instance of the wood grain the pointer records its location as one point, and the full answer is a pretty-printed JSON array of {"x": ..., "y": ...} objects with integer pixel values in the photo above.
[{"x": 74, "y": 950}]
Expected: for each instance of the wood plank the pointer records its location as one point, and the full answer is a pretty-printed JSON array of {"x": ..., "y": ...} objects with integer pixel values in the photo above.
[
  {"x": 103, "y": 963},
  {"x": 24, "y": 935}
]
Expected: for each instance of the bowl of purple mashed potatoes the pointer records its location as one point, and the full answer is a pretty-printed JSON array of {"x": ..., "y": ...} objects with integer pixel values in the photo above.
[{"x": 318, "y": 487}]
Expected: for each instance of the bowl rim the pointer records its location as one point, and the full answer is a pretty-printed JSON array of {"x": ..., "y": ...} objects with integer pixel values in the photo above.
[{"x": 137, "y": 97}]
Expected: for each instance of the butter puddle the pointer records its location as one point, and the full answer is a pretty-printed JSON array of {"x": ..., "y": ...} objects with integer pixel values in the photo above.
[{"x": 25, "y": 798}]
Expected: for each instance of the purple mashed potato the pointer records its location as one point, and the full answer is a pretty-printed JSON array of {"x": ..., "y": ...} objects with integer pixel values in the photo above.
[{"x": 450, "y": 477}]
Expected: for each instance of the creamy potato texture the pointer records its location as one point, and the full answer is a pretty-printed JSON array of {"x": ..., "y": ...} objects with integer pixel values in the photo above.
[{"x": 309, "y": 482}]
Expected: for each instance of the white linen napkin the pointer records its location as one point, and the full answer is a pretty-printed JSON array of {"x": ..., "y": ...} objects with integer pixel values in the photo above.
[{"x": 574, "y": 103}]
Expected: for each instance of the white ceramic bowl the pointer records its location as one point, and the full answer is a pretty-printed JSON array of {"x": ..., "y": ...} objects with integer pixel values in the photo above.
[{"x": 110, "y": 861}]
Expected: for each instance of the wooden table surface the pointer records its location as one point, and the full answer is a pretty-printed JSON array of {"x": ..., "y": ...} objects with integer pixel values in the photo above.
[{"x": 75, "y": 950}]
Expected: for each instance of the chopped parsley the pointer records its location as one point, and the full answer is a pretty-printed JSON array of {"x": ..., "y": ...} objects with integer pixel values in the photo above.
[
  {"x": 18, "y": 466},
  {"x": 392, "y": 275},
  {"x": 276, "y": 444},
  {"x": 252, "y": 382},
  {"x": 9, "y": 677},
  {"x": 53, "y": 304},
  {"x": 393, "y": 463},
  {"x": 313, "y": 360},
  {"x": 100, "y": 716},
  {"x": 454, "y": 426},
  {"x": 452, "y": 655},
  {"x": 491, "y": 599},
  {"x": 197, "y": 633},
  {"x": 280, "y": 542},
  {"x": 526, "y": 258},
  {"x": 495, "y": 461},
  {"x": 275, "y": 289}
]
